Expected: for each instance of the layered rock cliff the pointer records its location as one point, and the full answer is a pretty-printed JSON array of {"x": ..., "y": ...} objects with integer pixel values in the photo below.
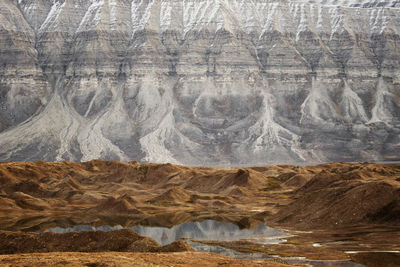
[{"x": 200, "y": 82}]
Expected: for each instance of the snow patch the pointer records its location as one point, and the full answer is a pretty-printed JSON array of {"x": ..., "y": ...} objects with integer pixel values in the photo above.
[
  {"x": 51, "y": 21},
  {"x": 92, "y": 16}
]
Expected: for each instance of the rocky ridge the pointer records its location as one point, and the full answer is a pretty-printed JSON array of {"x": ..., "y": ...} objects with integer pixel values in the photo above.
[{"x": 199, "y": 82}]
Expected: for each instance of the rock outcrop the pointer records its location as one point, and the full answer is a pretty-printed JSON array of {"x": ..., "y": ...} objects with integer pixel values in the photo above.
[
  {"x": 123, "y": 240},
  {"x": 200, "y": 82}
]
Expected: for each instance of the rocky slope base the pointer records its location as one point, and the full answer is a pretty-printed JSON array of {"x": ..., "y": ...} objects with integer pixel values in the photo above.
[{"x": 199, "y": 82}]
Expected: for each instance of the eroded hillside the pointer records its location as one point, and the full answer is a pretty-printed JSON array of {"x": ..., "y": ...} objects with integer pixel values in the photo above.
[{"x": 199, "y": 82}]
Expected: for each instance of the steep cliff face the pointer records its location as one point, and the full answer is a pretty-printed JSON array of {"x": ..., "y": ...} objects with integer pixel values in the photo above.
[{"x": 200, "y": 82}]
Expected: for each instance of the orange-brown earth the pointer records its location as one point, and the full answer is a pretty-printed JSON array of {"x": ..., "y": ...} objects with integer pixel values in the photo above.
[
  {"x": 124, "y": 240},
  {"x": 333, "y": 200},
  {"x": 118, "y": 259}
]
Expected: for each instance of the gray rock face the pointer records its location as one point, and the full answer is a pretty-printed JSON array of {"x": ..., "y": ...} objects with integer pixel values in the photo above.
[{"x": 216, "y": 82}]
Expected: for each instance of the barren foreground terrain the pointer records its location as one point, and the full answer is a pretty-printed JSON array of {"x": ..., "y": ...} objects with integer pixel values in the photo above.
[
  {"x": 130, "y": 259},
  {"x": 343, "y": 206}
]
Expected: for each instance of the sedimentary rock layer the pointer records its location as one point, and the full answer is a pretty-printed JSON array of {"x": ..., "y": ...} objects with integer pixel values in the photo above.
[{"x": 200, "y": 82}]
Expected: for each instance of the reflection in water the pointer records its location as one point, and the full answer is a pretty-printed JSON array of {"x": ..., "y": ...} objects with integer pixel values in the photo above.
[
  {"x": 211, "y": 230},
  {"x": 81, "y": 228},
  {"x": 206, "y": 230},
  {"x": 317, "y": 263},
  {"x": 227, "y": 252},
  {"x": 259, "y": 256}
]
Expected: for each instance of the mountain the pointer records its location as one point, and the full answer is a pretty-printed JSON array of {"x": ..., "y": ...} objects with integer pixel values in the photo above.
[{"x": 221, "y": 82}]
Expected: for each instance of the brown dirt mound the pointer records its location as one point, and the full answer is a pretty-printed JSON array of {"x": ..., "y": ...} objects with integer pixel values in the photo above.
[
  {"x": 173, "y": 195},
  {"x": 332, "y": 199},
  {"x": 32, "y": 188},
  {"x": 244, "y": 178},
  {"x": 377, "y": 259},
  {"x": 123, "y": 204},
  {"x": 248, "y": 223},
  {"x": 124, "y": 240},
  {"x": 8, "y": 204},
  {"x": 297, "y": 180},
  {"x": 237, "y": 192},
  {"x": 220, "y": 179},
  {"x": 158, "y": 174},
  {"x": 177, "y": 246},
  {"x": 168, "y": 219},
  {"x": 219, "y": 203},
  {"x": 284, "y": 177},
  {"x": 26, "y": 201},
  {"x": 70, "y": 183}
]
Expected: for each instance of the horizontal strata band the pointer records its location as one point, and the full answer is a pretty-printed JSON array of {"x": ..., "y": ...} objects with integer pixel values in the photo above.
[{"x": 200, "y": 82}]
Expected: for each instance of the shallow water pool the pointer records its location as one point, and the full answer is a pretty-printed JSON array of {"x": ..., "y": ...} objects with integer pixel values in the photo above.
[{"x": 210, "y": 230}]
